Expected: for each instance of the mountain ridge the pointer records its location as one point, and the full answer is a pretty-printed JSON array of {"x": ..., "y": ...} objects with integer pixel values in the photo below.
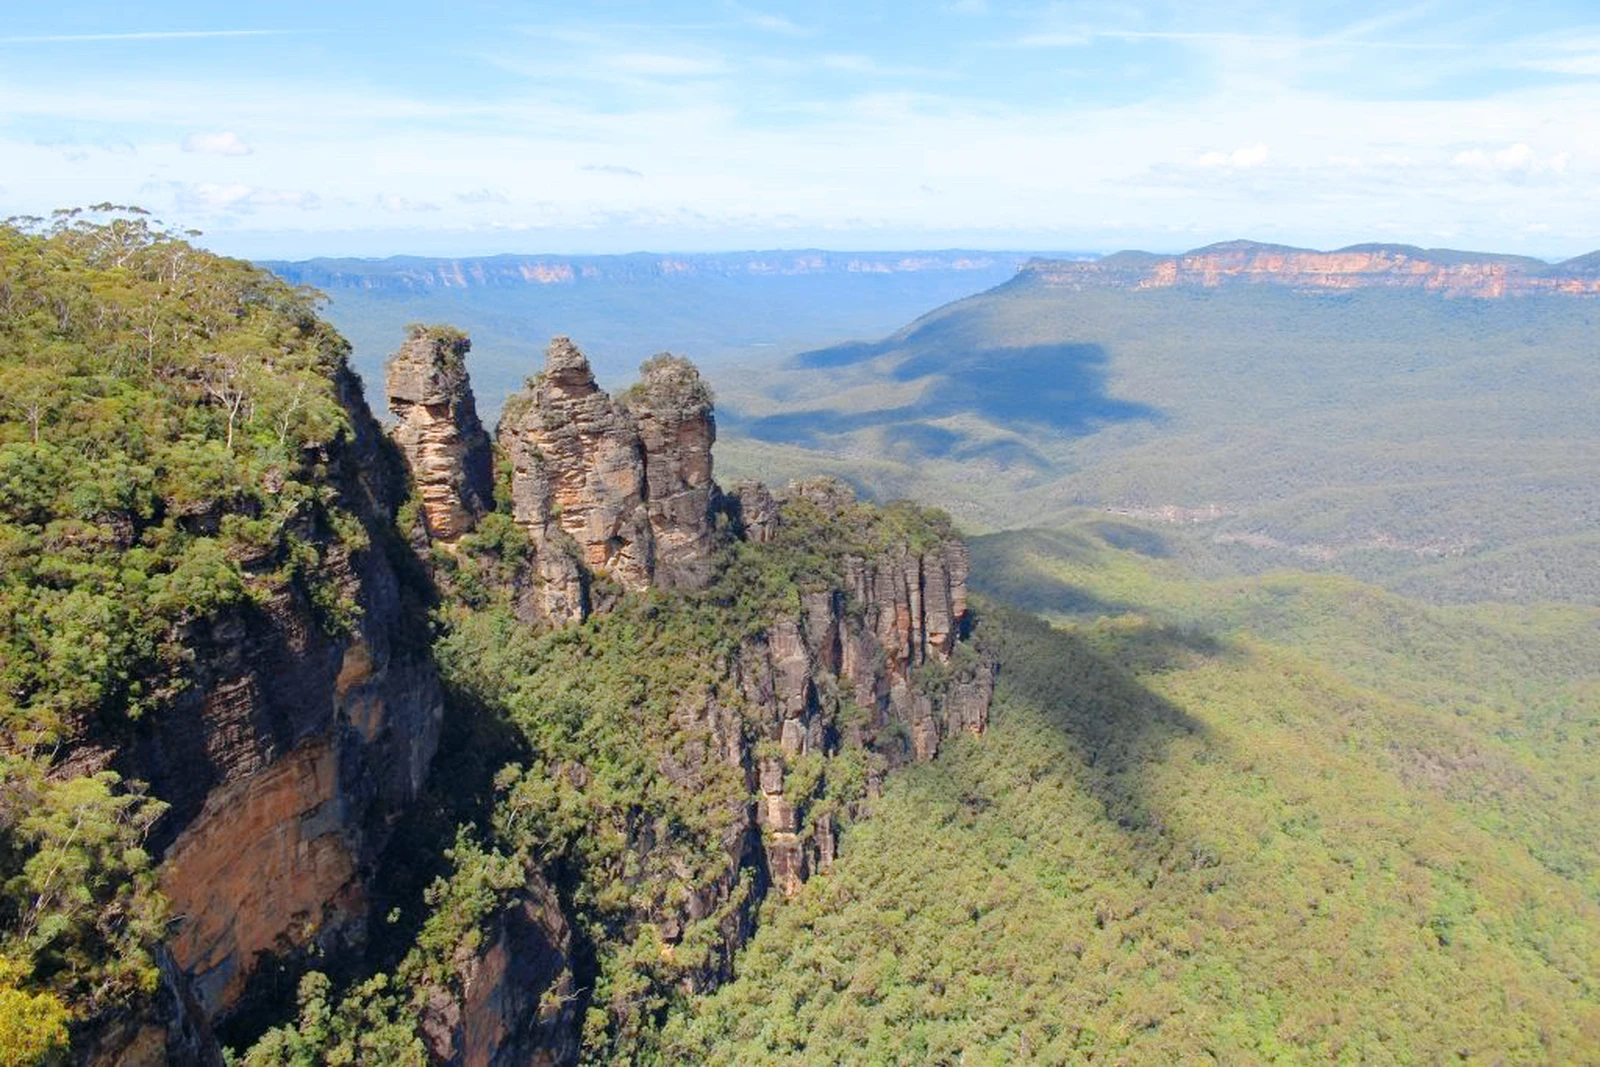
[
  {"x": 422, "y": 273},
  {"x": 1488, "y": 275}
]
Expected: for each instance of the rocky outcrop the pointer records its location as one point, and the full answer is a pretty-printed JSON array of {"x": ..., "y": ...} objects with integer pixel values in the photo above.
[
  {"x": 513, "y": 1004},
  {"x": 1357, "y": 267},
  {"x": 444, "y": 444},
  {"x": 871, "y": 665},
  {"x": 619, "y": 491},
  {"x": 868, "y": 668}
]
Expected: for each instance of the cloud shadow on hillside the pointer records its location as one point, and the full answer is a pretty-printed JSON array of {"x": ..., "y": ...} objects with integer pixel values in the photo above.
[
  {"x": 1059, "y": 388},
  {"x": 1119, "y": 728}
]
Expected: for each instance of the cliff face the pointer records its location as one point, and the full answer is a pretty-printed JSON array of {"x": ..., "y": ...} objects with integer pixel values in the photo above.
[
  {"x": 843, "y": 672},
  {"x": 671, "y": 408},
  {"x": 299, "y": 743},
  {"x": 284, "y": 762},
  {"x": 444, "y": 444},
  {"x": 513, "y": 1002},
  {"x": 1356, "y": 267}
]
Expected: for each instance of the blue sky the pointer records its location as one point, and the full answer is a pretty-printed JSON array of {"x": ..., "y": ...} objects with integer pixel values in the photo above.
[{"x": 299, "y": 129}]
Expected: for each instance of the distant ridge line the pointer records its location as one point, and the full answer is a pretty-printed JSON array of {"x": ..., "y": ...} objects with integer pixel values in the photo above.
[
  {"x": 1485, "y": 275},
  {"x": 425, "y": 273}
]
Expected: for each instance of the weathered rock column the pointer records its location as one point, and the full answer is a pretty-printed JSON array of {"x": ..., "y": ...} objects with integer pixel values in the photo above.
[
  {"x": 438, "y": 432},
  {"x": 671, "y": 406},
  {"x": 577, "y": 465}
]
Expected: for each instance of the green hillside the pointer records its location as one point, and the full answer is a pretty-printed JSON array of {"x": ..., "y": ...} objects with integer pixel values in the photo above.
[
  {"x": 1280, "y": 820},
  {"x": 1442, "y": 447}
]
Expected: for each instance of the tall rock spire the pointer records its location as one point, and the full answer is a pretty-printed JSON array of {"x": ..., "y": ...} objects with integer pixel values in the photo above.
[
  {"x": 671, "y": 406},
  {"x": 438, "y": 431}
]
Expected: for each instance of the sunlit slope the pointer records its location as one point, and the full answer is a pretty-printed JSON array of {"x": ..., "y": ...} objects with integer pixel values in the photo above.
[
  {"x": 1285, "y": 819},
  {"x": 1445, "y": 447}
]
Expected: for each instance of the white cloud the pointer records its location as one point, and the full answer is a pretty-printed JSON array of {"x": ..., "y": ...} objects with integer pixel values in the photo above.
[
  {"x": 482, "y": 196},
  {"x": 1516, "y": 159},
  {"x": 239, "y": 197},
  {"x": 771, "y": 154},
  {"x": 613, "y": 168},
  {"x": 1239, "y": 159},
  {"x": 400, "y": 204},
  {"x": 1582, "y": 65},
  {"x": 223, "y": 143},
  {"x": 773, "y": 24}
]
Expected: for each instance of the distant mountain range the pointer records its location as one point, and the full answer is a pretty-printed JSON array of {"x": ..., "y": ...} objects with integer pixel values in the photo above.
[
  {"x": 420, "y": 274},
  {"x": 620, "y": 309},
  {"x": 1361, "y": 266},
  {"x": 1369, "y": 410}
]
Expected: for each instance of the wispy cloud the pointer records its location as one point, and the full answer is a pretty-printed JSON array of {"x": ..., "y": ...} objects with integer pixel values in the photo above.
[
  {"x": 145, "y": 35},
  {"x": 396, "y": 204},
  {"x": 770, "y": 23},
  {"x": 1516, "y": 159},
  {"x": 1239, "y": 159},
  {"x": 240, "y": 197},
  {"x": 1301, "y": 127},
  {"x": 1080, "y": 38},
  {"x": 483, "y": 196},
  {"x": 664, "y": 64},
  {"x": 223, "y": 143}
]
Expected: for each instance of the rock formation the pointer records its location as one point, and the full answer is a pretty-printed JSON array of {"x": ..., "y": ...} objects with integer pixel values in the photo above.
[
  {"x": 845, "y": 671},
  {"x": 671, "y": 407},
  {"x": 515, "y": 1004},
  {"x": 1357, "y": 267},
  {"x": 607, "y": 489},
  {"x": 297, "y": 746},
  {"x": 438, "y": 431}
]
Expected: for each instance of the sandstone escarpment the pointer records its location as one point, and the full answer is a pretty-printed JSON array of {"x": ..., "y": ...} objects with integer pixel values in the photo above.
[
  {"x": 438, "y": 431},
  {"x": 288, "y": 756},
  {"x": 1357, "y": 267},
  {"x": 863, "y": 665}
]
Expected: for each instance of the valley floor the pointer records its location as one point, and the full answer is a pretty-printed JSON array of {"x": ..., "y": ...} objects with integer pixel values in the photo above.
[{"x": 1280, "y": 819}]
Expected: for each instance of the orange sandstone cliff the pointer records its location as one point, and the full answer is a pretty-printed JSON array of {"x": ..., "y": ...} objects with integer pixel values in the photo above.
[{"x": 1365, "y": 266}]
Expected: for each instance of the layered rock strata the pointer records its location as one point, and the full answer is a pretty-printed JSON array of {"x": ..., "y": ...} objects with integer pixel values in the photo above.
[
  {"x": 513, "y": 1002},
  {"x": 671, "y": 408},
  {"x": 1357, "y": 267},
  {"x": 284, "y": 762},
  {"x": 622, "y": 489},
  {"x": 846, "y": 671},
  {"x": 444, "y": 444},
  {"x": 870, "y": 668}
]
